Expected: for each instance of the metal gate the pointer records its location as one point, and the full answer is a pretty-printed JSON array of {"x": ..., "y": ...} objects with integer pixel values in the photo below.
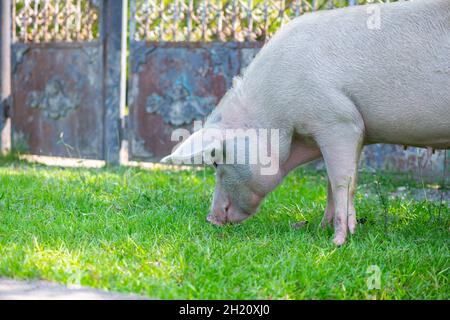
[
  {"x": 66, "y": 73},
  {"x": 67, "y": 68}
]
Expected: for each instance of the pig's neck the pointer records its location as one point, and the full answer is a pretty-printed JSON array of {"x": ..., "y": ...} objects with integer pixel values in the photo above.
[{"x": 238, "y": 114}]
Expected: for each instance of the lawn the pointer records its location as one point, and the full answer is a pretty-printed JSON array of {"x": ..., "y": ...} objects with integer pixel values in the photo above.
[{"x": 144, "y": 231}]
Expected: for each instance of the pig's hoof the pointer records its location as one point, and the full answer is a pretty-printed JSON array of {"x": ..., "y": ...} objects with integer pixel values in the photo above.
[
  {"x": 352, "y": 224},
  {"x": 339, "y": 240}
]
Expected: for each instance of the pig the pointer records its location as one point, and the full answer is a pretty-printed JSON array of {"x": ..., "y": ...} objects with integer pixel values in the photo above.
[{"x": 332, "y": 82}]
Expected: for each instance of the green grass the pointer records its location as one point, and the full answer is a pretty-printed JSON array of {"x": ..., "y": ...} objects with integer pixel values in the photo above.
[{"x": 140, "y": 231}]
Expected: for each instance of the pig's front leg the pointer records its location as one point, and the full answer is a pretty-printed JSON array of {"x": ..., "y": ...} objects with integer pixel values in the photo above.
[
  {"x": 341, "y": 150},
  {"x": 329, "y": 210}
]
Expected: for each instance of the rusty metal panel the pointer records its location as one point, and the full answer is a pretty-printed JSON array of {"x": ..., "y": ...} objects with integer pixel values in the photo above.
[
  {"x": 68, "y": 78},
  {"x": 173, "y": 84},
  {"x": 58, "y": 105}
]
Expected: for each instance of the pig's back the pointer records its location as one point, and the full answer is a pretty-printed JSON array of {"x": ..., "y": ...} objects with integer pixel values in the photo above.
[{"x": 398, "y": 76}]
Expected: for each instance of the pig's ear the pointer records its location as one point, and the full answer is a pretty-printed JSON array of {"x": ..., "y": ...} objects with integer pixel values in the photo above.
[{"x": 201, "y": 147}]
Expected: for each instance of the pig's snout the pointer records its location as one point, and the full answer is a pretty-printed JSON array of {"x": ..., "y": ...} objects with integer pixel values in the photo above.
[
  {"x": 225, "y": 210},
  {"x": 229, "y": 217},
  {"x": 212, "y": 219}
]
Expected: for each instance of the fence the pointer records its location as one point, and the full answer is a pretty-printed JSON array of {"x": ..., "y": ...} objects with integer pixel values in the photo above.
[
  {"x": 68, "y": 67},
  {"x": 218, "y": 20}
]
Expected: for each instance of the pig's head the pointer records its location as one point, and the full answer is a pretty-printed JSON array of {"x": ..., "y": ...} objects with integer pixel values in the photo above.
[
  {"x": 240, "y": 186},
  {"x": 235, "y": 198}
]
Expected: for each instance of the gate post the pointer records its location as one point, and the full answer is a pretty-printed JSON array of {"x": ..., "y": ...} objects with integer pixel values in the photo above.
[
  {"x": 114, "y": 35},
  {"x": 5, "y": 72}
]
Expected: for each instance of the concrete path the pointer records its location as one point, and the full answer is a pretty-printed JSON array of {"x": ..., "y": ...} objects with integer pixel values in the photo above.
[{"x": 43, "y": 290}]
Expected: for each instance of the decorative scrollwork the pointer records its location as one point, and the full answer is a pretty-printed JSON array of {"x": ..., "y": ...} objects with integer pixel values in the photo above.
[
  {"x": 55, "y": 101},
  {"x": 56, "y": 20},
  {"x": 178, "y": 106}
]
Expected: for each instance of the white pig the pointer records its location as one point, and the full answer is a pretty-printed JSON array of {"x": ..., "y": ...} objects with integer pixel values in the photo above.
[{"x": 332, "y": 82}]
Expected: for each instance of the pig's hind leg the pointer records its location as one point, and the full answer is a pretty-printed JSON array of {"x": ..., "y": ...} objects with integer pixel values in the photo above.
[{"x": 341, "y": 148}]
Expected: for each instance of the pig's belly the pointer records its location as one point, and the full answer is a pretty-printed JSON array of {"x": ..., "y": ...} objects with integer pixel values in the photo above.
[
  {"x": 416, "y": 112},
  {"x": 413, "y": 126}
]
